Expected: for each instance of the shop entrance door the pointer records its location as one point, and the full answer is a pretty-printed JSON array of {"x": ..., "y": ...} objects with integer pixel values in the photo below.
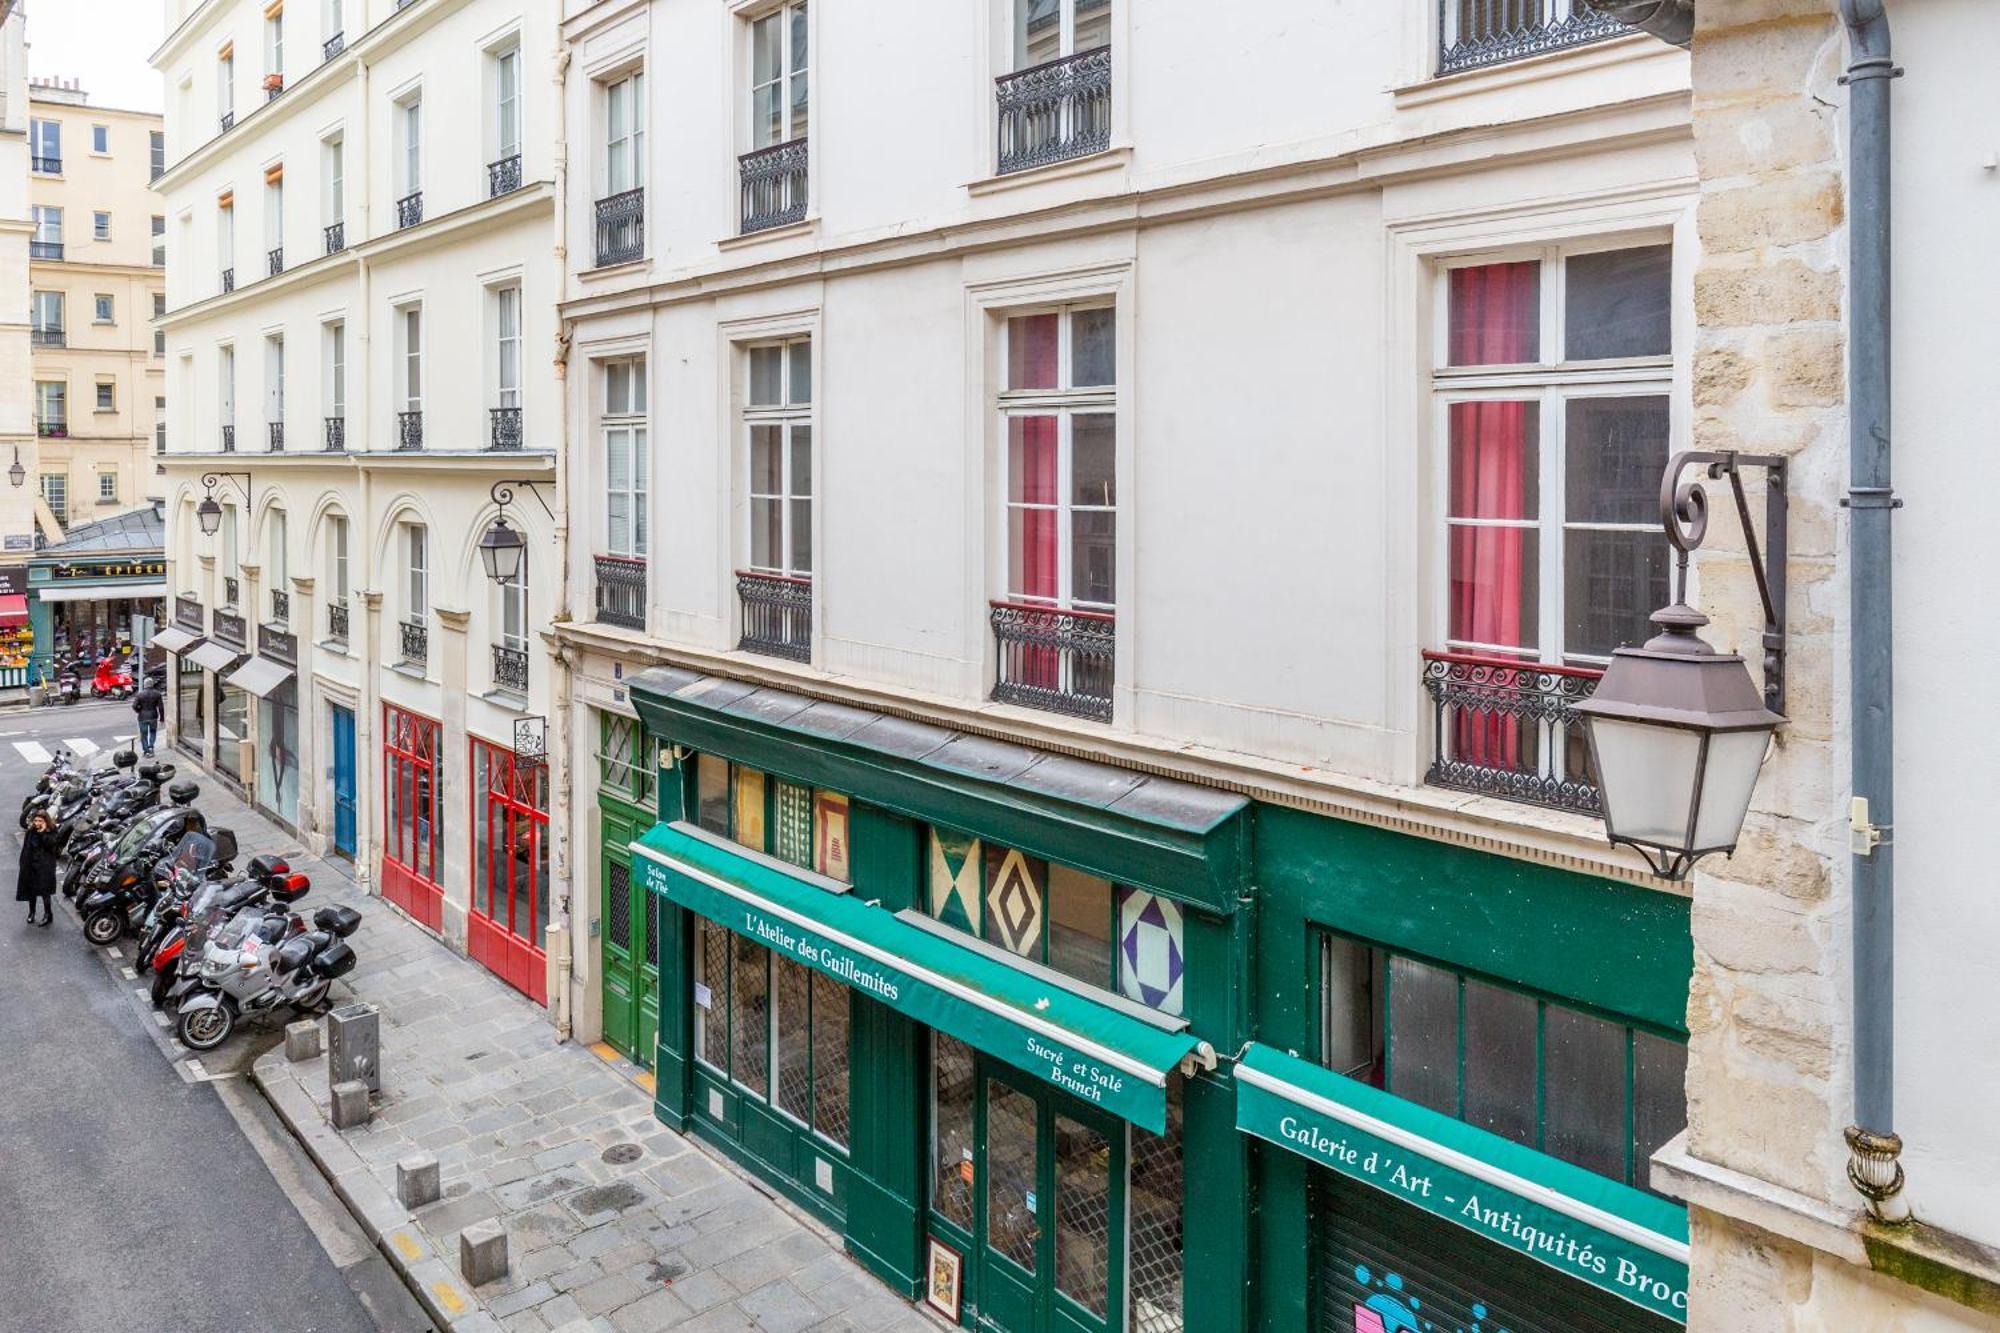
[
  {"x": 1050, "y": 1209},
  {"x": 631, "y": 938},
  {"x": 343, "y": 781}
]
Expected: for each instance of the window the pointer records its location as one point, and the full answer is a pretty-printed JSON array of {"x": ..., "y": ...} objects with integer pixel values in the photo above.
[
  {"x": 514, "y": 609},
  {"x": 1061, "y": 457},
  {"x": 225, "y": 236},
  {"x": 159, "y": 425},
  {"x": 107, "y": 488},
  {"x": 1598, "y": 1093},
  {"x": 1552, "y": 398},
  {"x": 101, "y": 308},
  {"x": 159, "y": 334},
  {"x": 507, "y": 345},
  {"x": 410, "y": 331},
  {"x": 778, "y": 414},
  {"x": 333, "y": 24},
  {"x": 779, "y": 94},
  {"x": 274, "y": 208},
  {"x": 412, "y": 834},
  {"x": 335, "y": 338},
  {"x": 225, "y": 359},
  {"x": 106, "y": 396},
  {"x": 416, "y": 547},
  {"x": 336, "y": 541},
  {"x": 55, "y": 490},
  {"x": 51, "y": 407},
  {"x": 100, "y": 226},
  {"x": 625, "y": 135},
  {"x": 412, "y": 163},
  {"x": 274, "y": 380},
  {"x": 274, "y": 46},
  {"x": 333, "y": 180},
  {"x": 159, "y": 242},
  {"x": 225, "y": 85},
  {"x": 507, "y": 104},
  {"x": 806, "y": 826},
  {"x": 45, "y": 145},
  {"x": 157, "y": 140},
  {"x": 47, "y": 312},
  {"x": 510, "y": 842},
  {"x": 49, "y": 229},
  {"x": 775, "y": 1028},
  {"x": 624, "y": 758},
  {"x": 626, "y": 458},
  {"x": 100, "y": 138},
  {"x": 1046, "y": 30},
  {"x": 277, "y": 567},
  {"x": 232, "y": 553}
]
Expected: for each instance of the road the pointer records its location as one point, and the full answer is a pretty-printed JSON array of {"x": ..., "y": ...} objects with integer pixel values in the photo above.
[{"x": 132, "y": 1198}]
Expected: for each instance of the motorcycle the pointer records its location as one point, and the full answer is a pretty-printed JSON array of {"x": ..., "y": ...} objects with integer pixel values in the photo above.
[
  {"x": 110, "y": 811},
  {"x": 151, "y": 830},
  {"x": 66, "y": 684},
  {"x": 112, "y": 680},
  {"x": 199, "y": 900},
  {"x": 259, "y": 964},
  {"x": 120, "y": 890},
  {"x": 65, "y": 783}
]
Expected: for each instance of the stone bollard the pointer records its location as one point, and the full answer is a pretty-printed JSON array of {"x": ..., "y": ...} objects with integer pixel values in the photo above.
[
  {"x": 417, "y": 1180},
  {"x": 350, "y": 1104},
  {"x": 482, "y": 1252},
  {"x": 301, "y": 1040}
]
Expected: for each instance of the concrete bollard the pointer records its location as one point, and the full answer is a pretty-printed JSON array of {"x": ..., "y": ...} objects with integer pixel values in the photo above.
[
  {"x": 301, "y": 1040},
  {"x": 350, "y": 1104},
  {"x": 482, "y": 1252},
  {"x": 417, "y": 1180}
]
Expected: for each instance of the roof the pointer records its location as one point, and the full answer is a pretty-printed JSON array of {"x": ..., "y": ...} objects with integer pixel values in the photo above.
[{"x": 142, "y": 529}]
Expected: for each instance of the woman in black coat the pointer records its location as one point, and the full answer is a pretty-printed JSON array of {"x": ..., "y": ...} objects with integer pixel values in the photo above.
[{"x": 38, "y": 868}]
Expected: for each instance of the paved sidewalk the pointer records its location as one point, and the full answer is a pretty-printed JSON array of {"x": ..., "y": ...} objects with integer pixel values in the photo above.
[{"x": 538, "y": 1134}]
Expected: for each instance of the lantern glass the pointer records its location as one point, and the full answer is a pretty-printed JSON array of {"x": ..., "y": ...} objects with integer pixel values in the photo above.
[
  {"x": 1734, "y": 757},
  {"x": 17, "y": 474},
  {"x": 501, "y": 550},
  {"x": 209, "y": 515},
  {"x": 1647, "y": 775}
]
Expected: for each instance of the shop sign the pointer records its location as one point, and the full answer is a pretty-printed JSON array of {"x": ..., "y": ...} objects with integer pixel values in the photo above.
[
  {"x": 18, "y": 541},
  {"x": 120, "y": 569},
  {"x": 1580, "y": 1238},
  {"x": 13, "y": 580}
]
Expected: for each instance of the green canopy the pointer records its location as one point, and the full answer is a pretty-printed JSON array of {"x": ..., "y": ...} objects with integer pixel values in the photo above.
[
  {"x": 1596, "y": 1230},
  {"x": 1098, "y": 1052}
]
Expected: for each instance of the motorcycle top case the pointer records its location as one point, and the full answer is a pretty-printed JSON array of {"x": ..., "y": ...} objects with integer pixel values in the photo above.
[
  {"x": 336, "y": 960},
  {"x": 342, "y": 921}
]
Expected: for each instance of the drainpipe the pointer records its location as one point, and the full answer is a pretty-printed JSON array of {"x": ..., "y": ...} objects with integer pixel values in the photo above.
[
  {"x": 561, "y": 685},
  {"x": 1873, "y": 1145}
]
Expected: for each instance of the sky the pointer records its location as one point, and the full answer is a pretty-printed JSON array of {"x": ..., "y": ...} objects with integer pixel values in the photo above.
[{"x": 102, "y": 42}]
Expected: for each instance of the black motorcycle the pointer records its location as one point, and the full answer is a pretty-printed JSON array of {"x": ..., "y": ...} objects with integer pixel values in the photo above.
[
  {"x": 117, "y": 894},
  {"x": 89, "y": 864}
]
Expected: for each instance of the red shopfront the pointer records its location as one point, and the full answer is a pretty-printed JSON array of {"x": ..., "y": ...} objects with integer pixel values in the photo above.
[
  {"x": 510, "y": 879},
  {"x": 412, "y": 835}
]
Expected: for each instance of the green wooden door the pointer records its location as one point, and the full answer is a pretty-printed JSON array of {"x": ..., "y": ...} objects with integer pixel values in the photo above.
[{"x": 631, "y": 957}]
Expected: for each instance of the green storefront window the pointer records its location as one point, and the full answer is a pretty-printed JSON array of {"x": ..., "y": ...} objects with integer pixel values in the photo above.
[
  {"x": 803, "y": 826},
  {"x": 1594, "y": 1092}
]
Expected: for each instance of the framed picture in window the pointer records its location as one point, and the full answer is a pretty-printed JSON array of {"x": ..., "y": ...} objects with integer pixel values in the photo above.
[{"x": 944, "y": 1273}]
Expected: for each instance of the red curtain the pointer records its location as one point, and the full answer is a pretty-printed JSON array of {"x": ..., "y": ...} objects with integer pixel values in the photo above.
[{"x": 1036, "y": 578}]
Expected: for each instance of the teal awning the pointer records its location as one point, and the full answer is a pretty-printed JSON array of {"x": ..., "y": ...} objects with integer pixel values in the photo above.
[
  {"x": 1098, "y": 1052},
  {"x": 1625, "y": 1241}
]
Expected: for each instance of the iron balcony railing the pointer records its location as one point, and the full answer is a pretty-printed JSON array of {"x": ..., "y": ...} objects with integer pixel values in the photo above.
[
  {"x": 1472, "y": 33},
  {"x": 229, "y": 439},
  {"x": 621, "y": 227},
  {"x": 336, "y": 237},
  {"x": 45, "y": 249},
  {"x": 188, "y": 613},
  {"x": 281, "y": 606},
  {"x": 1054, "y": 111},
  {"x": 773, "y": 185},
  {"x": 416, "y": 642},
  {"x": 409, "y": 430},
  {"x": 48, "y": 337},
  {"x": 333, "y": 46},
  {"x": 336, "y": 621},
  {"x": 503, "y": 429},
  {"x": 47, "y": 166},
  {"x": 410, "y": 209},
  {"x": 1507, "y": 728},
  {"x": 275, "y": 434},
  {"x": 230, "y": 589},
  {"x": 621, "y": 590},
  {"x": 54, "y": 428},
  {"x": 274, "y": 260},
  {"x": 1058, "y": 660},
  {"x": 510, "y": 668},
  {"x": 336, "y": 435},
  {"x": 777, "y": 614},
  {"x": 230, "y": 628},
  {"x": 504, "y": 176},
  {"x": 228, "y": 280},
  {"x": 271, "y": 89},
  {"x": 227, "y": 119}
]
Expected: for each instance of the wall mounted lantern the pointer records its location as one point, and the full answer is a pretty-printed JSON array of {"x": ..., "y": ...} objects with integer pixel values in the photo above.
[
  {"x": 209, "y": 513},
  {"x": 502, "y": 548},
  {"x": 17, "y": 473}
]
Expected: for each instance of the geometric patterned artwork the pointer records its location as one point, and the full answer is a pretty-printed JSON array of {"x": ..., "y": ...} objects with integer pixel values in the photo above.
[
  {"x": 1151, "y": 960},
  {"x": 830, "y": 846},
  {"x": 749, "y": 808},
  {"x": 955, "y": 879},
  {"x": 1014, "y": 901},
  {"x": 795, "y": 823}
]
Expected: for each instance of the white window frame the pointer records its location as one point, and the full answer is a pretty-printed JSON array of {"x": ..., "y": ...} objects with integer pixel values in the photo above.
[
  {"x": 103, "y": 308},
  {"x": 100, "y": 134},
  {"x": 1066, "y": 40},
  {"x": 42, "y": 135},
  {"x": 40, "y": 308},
  {"x": 416, "y": 547},
  {"x": 225, "y": 84},
  {"x": 507, "y": 102},
  {"x": 507, "y": 312},
  {"x": 100, "y": 224},
  {"x": 333, "y": 339},
  {"x": 512, "y": 618},
  {"x": 410, "y": 115},
  {"x": 274, "y": 213},
  {"x": 788, "y": 74},
  {"x": 48, "y": 223},
  {"x": 625, "y": 143},
  {"x": 55, "y": 494},
  {"x": 277, "y": 561},
  {"x": 410, "y": 357},
  {"x": 330, "y": 20},
  {"x": 225, "y": 366},
  {"x": 225, "y": 237},
  {"x": 102, "y": 401},
  {"x": 786, "y": 416},
  {"x": 624, "y": 428},
  {"x": 274, "y": 378},
  {"x": 107, "y": 494},
  {"x": 274, "y": 43},
  {"x": 337, "y": 537},
  {"x": 1065, "y": 403},
  {"x": 231, "y": 556},
  {"x": 333, "y": 179}
]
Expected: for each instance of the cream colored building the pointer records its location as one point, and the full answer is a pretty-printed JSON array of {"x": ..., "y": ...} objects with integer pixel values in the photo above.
[
  {"x": 17, "y": 430},
  {"x": 97, "y": 278}
]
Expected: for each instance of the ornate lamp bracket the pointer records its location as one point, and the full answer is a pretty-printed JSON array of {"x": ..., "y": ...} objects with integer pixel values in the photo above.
[
  {"x": 1684, "y": 515},
  {"x": 502, "y": 493}
]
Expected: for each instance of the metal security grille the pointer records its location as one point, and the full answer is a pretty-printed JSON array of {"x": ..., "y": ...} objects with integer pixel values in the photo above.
[
  {"x": 712, "y": 1030},
  {"x": 1083, "y": 1215},
  {"x": 1154, "y": 1268},
  {"x": 618, "y": 906},
  {"x": 750, "y": 1015},
  {"x": 652, "y": 926},
  {"x": 829, "y": 1042},
  {"x": 1011, "y": 1225},
  {"x": 791, "y": 1001},
  {"x": 776, "y": 1028},
  {"x": 952, "y": 1083}
]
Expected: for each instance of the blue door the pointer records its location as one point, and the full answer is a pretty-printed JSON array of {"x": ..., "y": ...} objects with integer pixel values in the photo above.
[{"x": 343, "y": 781}]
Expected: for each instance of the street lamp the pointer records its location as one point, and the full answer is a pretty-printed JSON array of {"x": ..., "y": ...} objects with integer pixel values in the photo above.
[
  {"x": 209, "y": 513},
  {"x": 17, "y": 474},
  {"x": 1677, "y": 730},
  {"x": 502, "y": 548}
]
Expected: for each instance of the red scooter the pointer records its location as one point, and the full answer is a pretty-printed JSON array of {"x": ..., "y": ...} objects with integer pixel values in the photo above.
[{"x": 112, "y": 680}]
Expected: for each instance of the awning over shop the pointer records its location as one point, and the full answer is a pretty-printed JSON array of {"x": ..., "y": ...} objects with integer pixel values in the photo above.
[
  {"x": 260, "y": 676},
  {"x": 1102, "y": 1053},
  {"x": 214, "y": 656},
  {"x": 13, "y": 610},
  {"x": 99, "y": 592},
  {"x": 174, "y": 639},
  {"x": 1625, "y": 1241}
]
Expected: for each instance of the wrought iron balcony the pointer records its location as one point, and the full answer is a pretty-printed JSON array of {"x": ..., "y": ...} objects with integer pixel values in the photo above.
[
  {"x": 333, "y": 46},
  {"x": 281, "y": 606},
  {"x": 409, "y": 430},
  {"x": 229, "y": 439},
  {"x": 621, "y": 227},
  {"x": 410, "y": 209},
  {"x": 1054, "y": 111},
  {"x": 336, "y": 621},
  {"x": 773, "y": 185},
  {"x": 47, "y": 166},
  {"x": 229, "y": 628},
  {"x": 336, "y": 435},
  {"x": 1472, "y": 33},
  {"x": 1053, "y": 659},
  {"x": 504, "y": 176},
  {"x": 621, "y": 590},
  {"x": 503, "y": 431},
  {"x": 336, "y": 237},
  {"x": 227, "y": 120},
  {"x": 271, "y": 91},
  {"x": 49, "y": 337},
  {"x": 510, "y": 668},
  {"x": 416, "y": 642},
  {"x": 230, "y": 589},
  {"x": 777, "y": 614},
  {"x": 52, "y": 428},
  {"x": 274, "y": 260},
  {"x": 228, "y": 280},
  {"x": 274, "y": 432},
  {"x": 188, "y": 613},
  {"x": 1506, "y": 728},
  {"x": 45, "y": 249}
]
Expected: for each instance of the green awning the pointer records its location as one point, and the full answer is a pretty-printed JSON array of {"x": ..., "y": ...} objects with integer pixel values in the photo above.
[
  {"x": 1625, "y": 1241},
  {"x": 1098, "y": 1052}
]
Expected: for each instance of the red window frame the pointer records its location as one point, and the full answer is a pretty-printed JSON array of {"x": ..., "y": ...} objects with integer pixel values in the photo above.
[
  {"x": 411, "y": 842},
  {"x": 510, "y": 802}
]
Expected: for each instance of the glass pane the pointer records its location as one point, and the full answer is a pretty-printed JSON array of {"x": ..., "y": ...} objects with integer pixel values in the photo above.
[
  {"x": 1495, "y": 575},
  {"x": 1613, "y": 452},
  {"x": 712, "y": 1031},
  {"x": 1011, "y": 1225},
  {"x": 799, "y": 354},
  {"x": 829, "y": 1038},
  {"x": 1659, "y": 1097},
  {"x": 1353, "y": 1039},
  {"x": 798, "y": 37},
  {"x": 1612, "y": 581},
  {"x": 951, "y": 1130},
  {"x": 1500, "y": 1061},
  {"x": 767, "y": 520},
  {"x": 790, "y": 986},
  {"x": 1619, "y": 303},
  {"x": 1093, "y": 463},
  {"x": 767, "y": 368},
  {"x": 1496, "y": 315},
  {"x": 1495, "y": 467},
  {"x": 1093, "y": 25},
  {"x": 617, "y": 387},
  {"x": 767, "y": 463},
  {"x": 1093, "y": 347},
  {"x": 1083, "y": 1214},
  {"x": 1080, "y": 925},
  {"x": 1032, "y": 342},
  {"x": 1037, "y": 31},
  {"x": 1423, "y": 1034},
  {"x": 750, "y": 1012},
  {"x": 1093, "y": 557},
  {"x": 1031, "y": 460},
  {"x": 767, "y": 52},
  {"x": 1583, "y": 1071},
  {"x": 802, "y": 537},
  {"x": 712, "y": 794},
  {"x": 801, "y": 107},
  {"x": 1031, "y": 553},
  {"x": 802, "y": 459}
]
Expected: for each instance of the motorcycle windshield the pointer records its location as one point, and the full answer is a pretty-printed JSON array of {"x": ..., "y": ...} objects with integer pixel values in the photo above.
[
  {"x": 193, "y": 852},
  {"x": 238, "y": 929},
  {"x": 133, "y": 838}
]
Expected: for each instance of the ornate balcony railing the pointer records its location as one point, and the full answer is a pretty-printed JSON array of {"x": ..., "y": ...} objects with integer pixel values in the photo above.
[
  {"x": 229, "y": 628},
  {"x": 333, "y": 46},
  {"x": 276, "y": 642},
  {"x": 274, "y": 260},
  {"x": 228, "y": 280},
  {"x": 336, "y": 237},
  {"x": 503, "y": 428},
  {"x": 504, "y": 176},
  {"x": 271, "y": 90},
  {"x": 510, "y": 668},
  {"x": 226, "y": 121},
  {"x": 336, "y": 435},
  {"x": 621, "y": 590},
  {"x": 416, "y": 642},
  {"x": 45, "y": 249},
  {"x": 47, "y": 166},
  {"x": 409, "y": 431},
  {"x": 52, "y": 428},
  {"x": 1054, "y": 111},
  {"x": 1472, "y": 33},
  {"x": 773, "y": 185},
  {"x": 188, "y": 613},
  {"x": 275, "y": 433},
  {"x": 49, "y": 337},
  {"x": 1061, "y": 661},
  {"x": 777, "y": 614},
  {"x": 281, "y": 606},
  {"x": 410, "y": 209},
  {"x": 336, "y": 621},
  {"x": 1507, "y": 728},
  {"x": 230, "y": 589},
  {"x": 621, "y": 227},
  {"x": 229, "y": 439}
]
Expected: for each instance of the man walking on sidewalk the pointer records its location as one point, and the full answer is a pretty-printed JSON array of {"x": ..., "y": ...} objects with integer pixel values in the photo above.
[{"x": 150, "y": 704}]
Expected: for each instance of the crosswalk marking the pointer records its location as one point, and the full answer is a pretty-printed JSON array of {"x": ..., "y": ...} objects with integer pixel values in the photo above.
[
  {"x": 33, "y": 751},
  {"x": 81, "y": 746}
]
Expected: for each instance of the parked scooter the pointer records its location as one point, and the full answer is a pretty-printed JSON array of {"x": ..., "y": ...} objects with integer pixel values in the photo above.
[
  {"x": 260, "y": 964},
  {"x": 120, "y": 892},
  {"x": 65, "y": 786},
  {"x": 66, "y": 684},
  {"x": 112, "y": 680}
]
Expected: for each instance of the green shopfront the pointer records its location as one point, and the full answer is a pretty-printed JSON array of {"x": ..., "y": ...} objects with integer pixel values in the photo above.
[{"x": 1061, "y": 1046}]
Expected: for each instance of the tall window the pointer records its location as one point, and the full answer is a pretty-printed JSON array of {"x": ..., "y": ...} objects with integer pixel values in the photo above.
[
  {"x": 510, "y": 844},
  {"x": 1046, "y": 30},
  {"x": 1061, "y": 446},
  {"x": 232, "y": 553},
  {"x": 277, "y": 566},
  {"x": 625, "y": 457},
  {"x": 625, "y": 135},
  {"x": 274, "y": 379},
  {"x": 336, "y": 542},
  {"x": 779, "y": 94},
  {"x": 274, "y": 209},
  {"x": 107, "y": 486},
  {"x": 507, "y": 103},
  {"x": 47, "y": 312},
  {"x": 514, "y": 609},
  {"x": 225, "y": 367},
  {"x": 52, "y": 407},
  {"x": 335, "y": 338},
  {"x": 48, "y": 225},
  {"x": 274, "y": 44},
  {"x": 45, "y": 145},
  {"x": 333, "y": 181},
  {"x": 55, "y": 490},
  {"x": 225, "y": 83},
  {"x": 778, "y": 414},
  {"x": 412, "y": 163},
  {"x": 100, "y": 138},
  {"x": 412, "y": 833},
  {"x": 333, "y": 23},
  {"x": 159, "y": 241},
  {"x": 417, "y": 548},
  {"x": 1552, "y": 394},
  {"x": 775, "y": 1028},
  {"x": 507, "y": 345},
  {"x": 225, "y": 234},
  {"x": 159, "y": 334},
  {"x": 100, "y": 225},
  {"x": 411, "y": 350},
  {"x": 158, "y": 142}
]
